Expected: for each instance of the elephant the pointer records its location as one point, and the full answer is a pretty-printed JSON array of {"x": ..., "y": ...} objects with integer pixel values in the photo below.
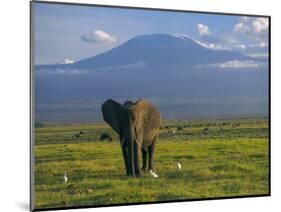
[{"x": 137, "y": 124}]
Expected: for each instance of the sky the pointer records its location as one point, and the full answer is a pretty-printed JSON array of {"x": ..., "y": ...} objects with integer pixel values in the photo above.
[{"x": 68, "y": 33}]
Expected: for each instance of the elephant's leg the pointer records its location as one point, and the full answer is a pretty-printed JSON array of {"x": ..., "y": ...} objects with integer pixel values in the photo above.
[
  {"x": 125, "y": 157},
  {"x": 144, "y": 159},
  {"x": 124, "y": 153},
  {"x": 151, "y": 154},
  {"x": 137, "y": 153}
]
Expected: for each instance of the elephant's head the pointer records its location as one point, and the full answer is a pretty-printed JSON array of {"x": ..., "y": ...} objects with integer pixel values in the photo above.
[{"x": 123, "y": 119}]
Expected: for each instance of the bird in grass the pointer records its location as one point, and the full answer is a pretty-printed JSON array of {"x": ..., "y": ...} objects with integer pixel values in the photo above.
[
  {"x": 153, "y": 174},
  {"x": 65, "y": 178},
  {"x": 179, "y": 166}
]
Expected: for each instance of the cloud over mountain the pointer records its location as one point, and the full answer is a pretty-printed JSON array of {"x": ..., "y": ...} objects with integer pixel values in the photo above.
[
  {"x": 249, "y": 34},
  {"x": 233, "y": 64},
  {"x": 66, "y": 61},
  {"x": 203, "y": 29},
  {"x": 98, "y": 36},
  {"x": 210, "y": 40},
  {"x": 254, "y": 28}
]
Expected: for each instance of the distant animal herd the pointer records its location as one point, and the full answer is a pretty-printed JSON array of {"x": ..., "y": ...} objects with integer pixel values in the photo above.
[
  {"x": 171, "y": 130},
  {"x": 103, "y": 136}
]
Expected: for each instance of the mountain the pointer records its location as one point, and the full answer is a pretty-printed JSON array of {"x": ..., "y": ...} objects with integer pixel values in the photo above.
[
  {"x": 181, "y": 77},
  {"x": 153, "y": 51}
]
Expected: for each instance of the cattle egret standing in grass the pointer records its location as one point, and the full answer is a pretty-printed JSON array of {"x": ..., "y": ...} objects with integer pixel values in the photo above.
[
  {"x": 179, "y": 166},
  {"x": 65, "y": 178},
  {"x": 153, "y": 174}
]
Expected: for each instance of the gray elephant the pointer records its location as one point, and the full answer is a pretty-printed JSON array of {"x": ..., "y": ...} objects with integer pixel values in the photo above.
[{"x": 138, "y": 125}]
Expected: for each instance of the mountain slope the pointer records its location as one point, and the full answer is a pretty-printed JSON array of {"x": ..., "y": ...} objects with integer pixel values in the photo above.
[{"x": 153, "y": 51}]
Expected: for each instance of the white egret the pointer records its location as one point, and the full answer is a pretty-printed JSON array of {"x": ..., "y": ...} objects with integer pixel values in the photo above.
[
  {"x": 65, "y": 178},
  {"x": 153, "y": 174},
  {"x": 179, "y": 166}
]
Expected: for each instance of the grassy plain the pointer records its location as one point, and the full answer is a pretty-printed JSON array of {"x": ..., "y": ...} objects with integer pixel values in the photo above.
[{"x": 220, "y": 158}]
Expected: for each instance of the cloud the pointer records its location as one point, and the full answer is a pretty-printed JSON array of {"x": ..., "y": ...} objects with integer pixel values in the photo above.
[
  {"x": 262, "y": 55},
  {"x": 59, "y": 71},
  {"x": 248, "y": 34},
  {"x": 70, "y": 72},
  {"x": 211, "y": 45},
  {"x": 66, "y": 61},
  {"x": 240, "y": 46},
  {"x": 233, "y": 64},
  {"x": 254, "y": 46},
  {"x": 203, "y": 29},
  {"x": 259, "y": 45},
  {"x": 262, "y": 44},
  {"x": 135, "y": 65},
  {"x": 98, "y": 36},
  {"x": 254, "y": 28},
  {"x": 208, "y": 45},
  {"x": 209, "y": 40},
  {"x": 260, "y": 25}
]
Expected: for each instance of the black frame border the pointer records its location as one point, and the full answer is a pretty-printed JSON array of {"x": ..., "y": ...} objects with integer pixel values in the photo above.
[{"x": 31, "y": 105}]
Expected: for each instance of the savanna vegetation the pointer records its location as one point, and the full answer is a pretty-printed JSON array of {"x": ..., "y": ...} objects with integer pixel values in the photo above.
[{"x": 219, "y": 158}]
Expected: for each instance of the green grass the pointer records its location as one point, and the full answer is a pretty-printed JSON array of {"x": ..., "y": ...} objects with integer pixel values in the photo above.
[{"x": 227, "y": 161}]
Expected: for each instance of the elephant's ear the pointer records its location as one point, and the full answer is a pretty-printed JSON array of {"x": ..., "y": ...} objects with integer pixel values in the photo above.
[{"x": 112, "y": 114}]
